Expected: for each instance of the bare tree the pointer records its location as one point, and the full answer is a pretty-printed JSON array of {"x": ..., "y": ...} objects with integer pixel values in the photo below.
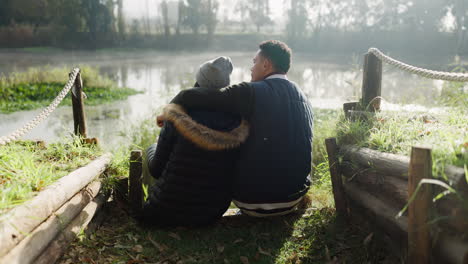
[
  {"x": 193, "y": 18},
  {"x": 260, "y": 13},
  {"x": 297, "y": 19},
  {"x": 121, "y": 19},
  {"x": 180, "y": 16},
  {"x": 147, "y": 18},
  {"x": 211, "y": 11},
  {"x": 165, "y": 16},
  {"x": 459, "y": 10}
]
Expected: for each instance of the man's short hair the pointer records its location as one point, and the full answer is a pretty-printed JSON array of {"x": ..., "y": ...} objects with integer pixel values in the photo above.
[{"x": 278, "y": 53}]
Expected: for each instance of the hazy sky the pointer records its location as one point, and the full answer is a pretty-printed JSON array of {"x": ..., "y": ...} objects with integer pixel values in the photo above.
[{"x": 137, "y": 8}]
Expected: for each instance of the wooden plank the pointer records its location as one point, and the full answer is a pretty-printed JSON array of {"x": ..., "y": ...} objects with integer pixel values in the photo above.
[
  {"x": 450, "y": 250},
  {"x": 16, "y": 224},
  {"x": 378, "y": 212},
  {"x": 79, "y": 119},
  {"x": 369, "y": 207},
  {"x": 135, "y": 192},
  {"x": 121, "y": 190},
  {"x": 61, "y": 243},
  {"x": 33, "y": 245},
  {"x": 372, "y": 83},
  {"x": 456, "y": 178},
  {"x": 382, "y": 163},
  {"x": 351, "y": 106},
  {"x": 337, "y": 184},
  {"x": 389, "y": 189},
  {"x": 456, "y": 213},
  {"x": 419, "y": 238},
  {"x": 396, "y": 165}
]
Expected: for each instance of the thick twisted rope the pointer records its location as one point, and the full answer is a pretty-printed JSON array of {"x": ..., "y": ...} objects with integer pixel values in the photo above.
[
  {"x": 437, "y": 75},
  {"x": 44, "y": 114}
]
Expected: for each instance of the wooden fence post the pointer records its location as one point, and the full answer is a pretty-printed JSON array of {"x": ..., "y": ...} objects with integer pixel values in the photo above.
[
  {"x": 135, "y": 192},
  {"x": 372, "y": 83},
  {"x": 337, "y": 184},
  {"x": 78, "y": 107},
  {"x": 351, "y": 106},
  {"x": 419, "y": 240}
]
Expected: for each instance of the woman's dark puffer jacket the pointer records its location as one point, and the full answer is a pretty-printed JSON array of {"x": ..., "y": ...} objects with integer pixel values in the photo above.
[{"x": 194, "y": 164}]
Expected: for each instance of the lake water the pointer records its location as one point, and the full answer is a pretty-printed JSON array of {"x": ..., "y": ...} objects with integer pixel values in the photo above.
[{"x": 328, "y": 81}]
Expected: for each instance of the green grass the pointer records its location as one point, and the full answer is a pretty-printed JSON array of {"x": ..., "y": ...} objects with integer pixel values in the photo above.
[
  {"x": 455, "y": 95},
  {"x": 27, "y": 168},
  {"x": 445, "y": 132},
  {"x": 313, "y": 237},
  {"x": 37, "y": 87}
]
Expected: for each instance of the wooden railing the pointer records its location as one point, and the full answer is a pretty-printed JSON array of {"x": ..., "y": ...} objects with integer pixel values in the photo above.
[{"x": 379, "y": 185}]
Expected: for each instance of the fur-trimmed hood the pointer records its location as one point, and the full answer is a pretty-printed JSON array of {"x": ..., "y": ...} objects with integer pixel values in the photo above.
[{"x": 202, "y": 136}]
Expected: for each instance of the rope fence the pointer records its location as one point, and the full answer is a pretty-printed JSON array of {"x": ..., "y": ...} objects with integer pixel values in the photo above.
[
  {"x": 437, "y": 75},
  {"x": 17, "y": 134}
]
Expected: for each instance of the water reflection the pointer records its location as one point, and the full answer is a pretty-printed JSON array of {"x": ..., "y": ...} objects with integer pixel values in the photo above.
[{"x": 328, "y": 83}]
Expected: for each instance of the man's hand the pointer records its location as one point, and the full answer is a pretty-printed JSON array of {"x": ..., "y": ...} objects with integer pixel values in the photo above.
[{"x": 160, "y": 121}]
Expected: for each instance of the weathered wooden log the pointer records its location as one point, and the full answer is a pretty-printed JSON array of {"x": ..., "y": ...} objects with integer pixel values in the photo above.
[
  {"x": 61, "y": 243},
  {"x": 135, "y": 191},
  {"x": 337, "y": 184},
  {"x": 378, "y": 212},
  {"x": 387, "y": 188},
  {"x": 383, "y": 163},
  {"x": 372, "y": 83},
  {"x": 447, "y": 249},
  {"x": 450, "y": 250},
  {"x": 396, "y": 165},
  {"x": 16, "y": 224},
  {"x": 419, "y": 237},
  {"x": 33, "y": 245},
  {"x": 456, "y": 178},
  {"x": 79, "y": 119},
  {"x": 120, "y": 193},
  {"x": 454, "y": 215}
]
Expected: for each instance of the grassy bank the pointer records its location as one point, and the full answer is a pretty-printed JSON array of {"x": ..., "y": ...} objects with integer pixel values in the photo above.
[
  {"x": 27, "y": 167},
  {"x": 311, "y": 237},
  {"x": 446, "y": 133},
  {"x": 445, "y": 130},
  {"x": 37, "y": 87}
]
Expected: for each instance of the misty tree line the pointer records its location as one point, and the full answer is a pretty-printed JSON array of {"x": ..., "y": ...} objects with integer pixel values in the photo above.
[
  {"x": 305, "y": 19},
  {"x": 417, "y": 16},
  {"x": 64, "y": 16}
]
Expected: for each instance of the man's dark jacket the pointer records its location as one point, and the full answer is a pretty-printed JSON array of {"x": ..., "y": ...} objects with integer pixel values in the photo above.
[
  {"x": 276, "y": 159},
  {"x": 194, "y": 163}
]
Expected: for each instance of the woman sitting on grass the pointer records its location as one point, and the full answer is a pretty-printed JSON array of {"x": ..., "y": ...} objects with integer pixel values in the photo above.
[{"x": 194, "y": 159}]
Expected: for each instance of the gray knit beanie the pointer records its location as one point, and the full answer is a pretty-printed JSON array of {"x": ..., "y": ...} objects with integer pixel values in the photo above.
[{"x": 215, "y": 73}]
